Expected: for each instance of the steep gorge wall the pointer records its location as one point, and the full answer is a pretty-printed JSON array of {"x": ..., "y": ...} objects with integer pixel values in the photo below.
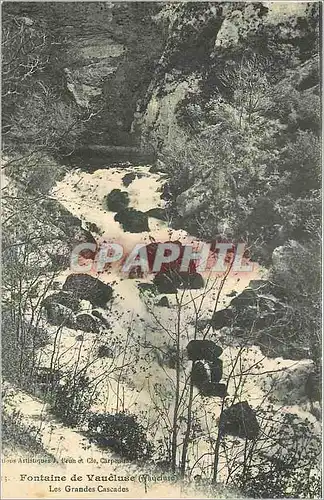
[
  {"x": 197, "y": 34},
  {"x": 132, "y": 64},
  {"x": 105, "y": 55}
]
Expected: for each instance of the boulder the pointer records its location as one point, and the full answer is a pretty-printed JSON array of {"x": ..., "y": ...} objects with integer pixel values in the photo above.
[
  {"x": 59, "y": 315},
  {"x": 200, "y": 373},
  {"x": 117, "y": 200},
  {"x": 206, "y": 375},
  {"x": 87, "y": 323},
  {"x": 245, "y": 299},
  {"x": 163, "y": 302},
  {"x": 64, "y": 298},
  {"x": 203, "y": 349},
  {"x": 133, "y": 221},
  {"x": 260, "y": 286},
  {"x": 104, "y": 351},
  {"x": 240, "y": 420},
  {"x": 88, "y": 288},
  {"x": 254, "y": 309},
  {"x": 174, "y": 265},
  {"x": 100, "y": 316},
  {"x": 128, "y": 178},
  {"x": 211, "y": 389},
  {"x": 157, "y": 213},
  {"x": 192, "y": 281},
  {"x": 167, "y": 282},
  {"x": 221, "y": 319},
  {"x": 84, "y": 236},
  {"x": 216, "y": 370}
]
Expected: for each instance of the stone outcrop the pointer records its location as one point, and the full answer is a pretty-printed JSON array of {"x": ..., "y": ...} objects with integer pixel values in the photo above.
[
  {"x": 87, "y": 287},
  {"x": 240, "y": 420}
]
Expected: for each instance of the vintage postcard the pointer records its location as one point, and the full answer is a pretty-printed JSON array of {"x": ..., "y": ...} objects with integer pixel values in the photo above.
[{"x": 161, "y": 250}]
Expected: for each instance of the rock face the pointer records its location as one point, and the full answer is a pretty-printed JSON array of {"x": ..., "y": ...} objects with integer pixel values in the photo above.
[
  {"x": 89, "y": 288},
  {"x": 261, "y": 315},
  {"x": 240, "y": 420},
  {"x": 102, "y": 61},
  {"x": 131, "y": 92},
  {"x": 313, "y": 387},
  {"x": 197, "y": 33},
  {"x": 107, "y": 64}
]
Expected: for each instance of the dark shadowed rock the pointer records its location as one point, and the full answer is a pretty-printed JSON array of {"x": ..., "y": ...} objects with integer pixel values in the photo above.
[
  {"x": 203, "y": 349},
  {"x": 87, "y": 323},
  {"x": 222, "y": 318},
  {"x": 64, "y": 298},
  {"x": 163, "y": 302},
  {"x": 200, "y": 373},
  {"x": 89, "y": 288},
  {"x": 216, "y": 370},
  {"x": 211, "y": 389},
  {"x": 192, "y": 281},
  {"x": 313, "y": 386},
  {"x": 128, "y": 179},
  {"x": 59, "y": 315},
  {"x": 240, "y": 420},
  {"x": 204, "y": 371},
  {"x": 117, "y": 200},
  {"x": 262, "y": 286},
  {"x": 167, "y": 282},
  {"x": 104, "y": 351},
  {"x": 245, "y": 299},
  {"x": 100, "y": 316},
  {"x": 133, "y": 221},
  {"x": 157, "y": 213}
]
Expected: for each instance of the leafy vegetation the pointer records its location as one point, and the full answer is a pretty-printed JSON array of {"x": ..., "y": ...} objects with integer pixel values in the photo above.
[{"x": 121, "y": 433}]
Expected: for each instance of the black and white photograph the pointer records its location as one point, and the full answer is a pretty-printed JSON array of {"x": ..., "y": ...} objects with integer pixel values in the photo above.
[{"x": 161, "y": 323}]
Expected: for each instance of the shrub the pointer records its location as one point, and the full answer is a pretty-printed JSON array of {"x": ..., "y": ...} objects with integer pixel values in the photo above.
[
  {"x": 15, "y": 433},
  {"x": 71, "y": 399},
  {"x": 122, "y": 433}
]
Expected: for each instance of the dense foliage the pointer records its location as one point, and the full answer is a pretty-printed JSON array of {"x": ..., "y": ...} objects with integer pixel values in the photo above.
[
  {"x": 252, "y": 160},
  {"x": 122, "y": 433}
]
